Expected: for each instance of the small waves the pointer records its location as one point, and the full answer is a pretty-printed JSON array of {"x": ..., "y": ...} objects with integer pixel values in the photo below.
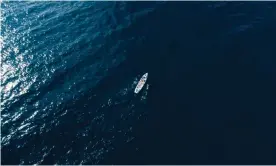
[
  {"x": 69, "y": 69},
  {"x": 56, "y": 58}
]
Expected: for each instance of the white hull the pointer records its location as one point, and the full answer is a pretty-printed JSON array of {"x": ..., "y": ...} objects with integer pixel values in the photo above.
[{"x": 141, "y": 83}]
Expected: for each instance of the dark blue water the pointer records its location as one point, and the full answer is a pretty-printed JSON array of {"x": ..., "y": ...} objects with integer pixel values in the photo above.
[{"x": 69, "y": 69}]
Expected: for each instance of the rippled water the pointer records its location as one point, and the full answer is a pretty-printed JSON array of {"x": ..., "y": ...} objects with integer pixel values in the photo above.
[
  {"x": 56, "y": 95},
  {"x": 69, "y": 69}
]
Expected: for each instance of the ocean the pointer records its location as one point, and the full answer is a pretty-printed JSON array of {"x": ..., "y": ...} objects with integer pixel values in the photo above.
[{"x": 69, "y": 70}]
